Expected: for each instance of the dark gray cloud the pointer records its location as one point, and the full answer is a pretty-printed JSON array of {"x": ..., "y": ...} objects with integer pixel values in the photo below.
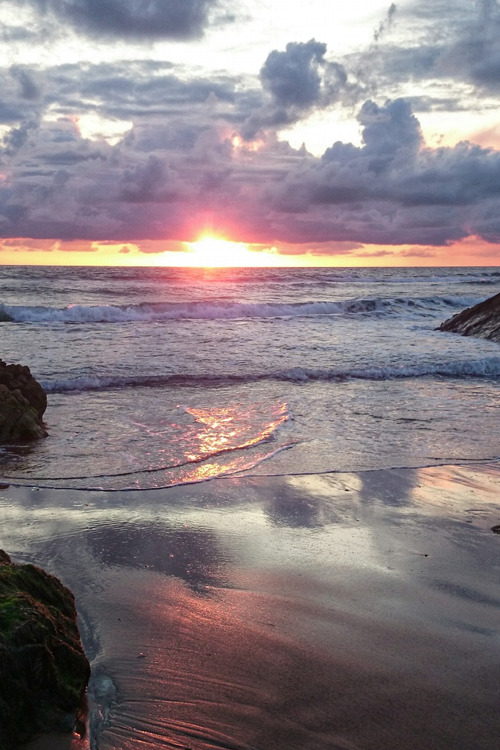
[
  {"x": 20, "y": 95},
  {"x": 391, "y": 64},
  {"x": 136, "y": 91},
  {"x": 136, "y": 19},
  {"x": 392, "y": 189},
  {"x": 389, "y": 132},
  {"x": 294, "y": 77},
  {"x": 14, "y": 34},
  {"x": 148, "y": 182},
  {"x": 28, "y": 88},
  {"x": 454, "y": 43},
  {"x": 161, "y": 183},
  {"x": 475, "y": 53},
  {"x": 206, "y": 151},
  {"x": 386, "y": 24},
  {"x": 296, "y": 80}
]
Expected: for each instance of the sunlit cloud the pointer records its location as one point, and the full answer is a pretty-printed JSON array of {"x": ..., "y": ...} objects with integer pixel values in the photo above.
[{"x": 372, "y": 138}]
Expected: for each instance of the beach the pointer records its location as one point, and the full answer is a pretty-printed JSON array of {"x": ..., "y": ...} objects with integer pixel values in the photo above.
[
  {"x": 238, "y": 419},
  {"x": 352, "y": 610},
  {"x": 272, "y": 493}
]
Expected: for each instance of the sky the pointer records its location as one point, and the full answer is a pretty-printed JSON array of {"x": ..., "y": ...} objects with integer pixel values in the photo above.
[{"x": 230, "y": 132}]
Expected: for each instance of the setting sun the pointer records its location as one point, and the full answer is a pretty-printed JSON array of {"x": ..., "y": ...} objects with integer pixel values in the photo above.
[{"x": 211, "y": 251}]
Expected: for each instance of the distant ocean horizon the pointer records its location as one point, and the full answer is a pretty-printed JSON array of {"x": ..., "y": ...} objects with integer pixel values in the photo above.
[{"x": 164, "y": 376}]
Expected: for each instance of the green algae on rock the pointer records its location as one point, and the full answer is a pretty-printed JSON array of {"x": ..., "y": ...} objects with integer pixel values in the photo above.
[
  {"x": 22, "y": 404},
  {"x": 18, "y": 420},
  {"x": 43, "y": 669}
]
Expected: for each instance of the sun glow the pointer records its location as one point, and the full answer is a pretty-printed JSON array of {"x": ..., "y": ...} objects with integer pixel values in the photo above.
[{"x": 210, "y": 251}]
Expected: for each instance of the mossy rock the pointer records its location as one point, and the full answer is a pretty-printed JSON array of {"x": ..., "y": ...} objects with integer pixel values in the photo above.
[
  {"x": 22, "y": 404},
  {"x": 43, "y": 669}
]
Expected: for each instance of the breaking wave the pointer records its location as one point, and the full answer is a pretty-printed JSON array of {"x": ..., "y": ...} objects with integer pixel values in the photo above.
[
  {"x": 487, "y": 367},
  {"x": 222, "y": 310}
]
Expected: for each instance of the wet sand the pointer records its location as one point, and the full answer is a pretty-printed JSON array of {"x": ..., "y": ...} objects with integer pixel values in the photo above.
[{"x": 353, "y": 611}]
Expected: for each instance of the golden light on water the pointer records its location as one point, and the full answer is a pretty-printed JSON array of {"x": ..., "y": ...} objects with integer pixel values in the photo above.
[
  {"x": 231, "y": 428},
  {"x": 229, "y": 431}
]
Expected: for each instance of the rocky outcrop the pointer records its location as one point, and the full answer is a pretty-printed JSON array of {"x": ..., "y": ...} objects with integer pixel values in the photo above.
[
  {"x": 22, "y": 404},
  {"x": 43, "y": 669},
  {"x": 482, "y": 320}
]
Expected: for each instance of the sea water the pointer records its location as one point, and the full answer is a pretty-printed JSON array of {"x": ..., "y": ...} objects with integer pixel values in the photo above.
[{"x": 159, "y": 376}]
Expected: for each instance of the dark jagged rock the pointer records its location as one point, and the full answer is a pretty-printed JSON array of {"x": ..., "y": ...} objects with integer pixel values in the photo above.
[
  {"x": 22, "y": 404},
  {"x": 43, "y": 669},
  {"x": 482, "y": 320},
  {"x": 18, "y": 420},
  {"x": 19, "y": 377}
]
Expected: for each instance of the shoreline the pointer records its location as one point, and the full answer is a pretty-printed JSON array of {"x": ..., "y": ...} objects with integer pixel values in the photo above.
[{"x": 357, "y": 611}]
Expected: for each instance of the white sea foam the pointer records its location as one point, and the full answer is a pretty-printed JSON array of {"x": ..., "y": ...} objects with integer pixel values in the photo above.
[
  {"x": 413, "y": 306},
  {"x": 486, "y": 367},
  {"x": 482, "y": 368}
]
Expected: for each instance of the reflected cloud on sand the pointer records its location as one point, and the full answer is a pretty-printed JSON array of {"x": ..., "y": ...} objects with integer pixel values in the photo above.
[{"x": 225, "y": 612}]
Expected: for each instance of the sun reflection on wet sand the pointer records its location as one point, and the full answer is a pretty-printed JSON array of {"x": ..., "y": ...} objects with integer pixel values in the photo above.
[
  {"x": 230, "y": 428},
  {"x": 207, "y": 443}
]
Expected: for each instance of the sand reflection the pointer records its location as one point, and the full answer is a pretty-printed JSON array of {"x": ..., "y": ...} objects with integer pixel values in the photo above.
[
  {"x": 341, "y": 611},
  {"x": 191, "y": 554}
]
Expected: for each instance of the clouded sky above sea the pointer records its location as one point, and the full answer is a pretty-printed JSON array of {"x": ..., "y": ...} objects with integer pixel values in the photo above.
[{"x": 317, "y": 132}]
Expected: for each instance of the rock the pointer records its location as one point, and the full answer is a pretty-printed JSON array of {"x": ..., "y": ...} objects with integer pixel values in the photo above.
[
  {"x": 43, "y": 669},
  {"x": 482, "y": 320},
  {"x": 18, "y": 420},
  {"x": 22, "y": 404},
  {"x": 19, "y": 377},
  {"x": 4, "y": 317}
]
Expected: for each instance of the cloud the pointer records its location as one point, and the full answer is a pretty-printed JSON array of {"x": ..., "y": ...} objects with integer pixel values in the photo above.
[
  {"x": 418, "y": 252},
  {"x": 335, "y": 248},
  {"x": 293, "y": 77},
  {"x": 389, "y": 132},
  {"x": 20, "y": 100},
  {"x": 439, "y": 44},
  {"x": 24, "y": 77},
  {"x": 296, "y": 81},
  {"x": 475, "y": 53},
  {"x": 160, "y": 184},
  {"x": 143, "y": 20},
  {"x": 150, "y": 181},
  {"x": 392, "y": 190},
  {"x": 24, "y": 244},
  {"x": 386, "y": 24},
  {"x": 199, "y": 151},
  {"x": 139, "y": 92},
  {"x": 382, "y": 253}
]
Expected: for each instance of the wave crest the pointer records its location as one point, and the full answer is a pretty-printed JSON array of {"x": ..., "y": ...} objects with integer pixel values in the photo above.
[
  {"x": 487, "y": 367},
  {"x": 224, "y": 310}
]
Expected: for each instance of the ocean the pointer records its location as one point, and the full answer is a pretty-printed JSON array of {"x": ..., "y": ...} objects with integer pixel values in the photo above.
[
  {"x": 159, "y": 376},
  {"x": 272, "y": 493}
]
